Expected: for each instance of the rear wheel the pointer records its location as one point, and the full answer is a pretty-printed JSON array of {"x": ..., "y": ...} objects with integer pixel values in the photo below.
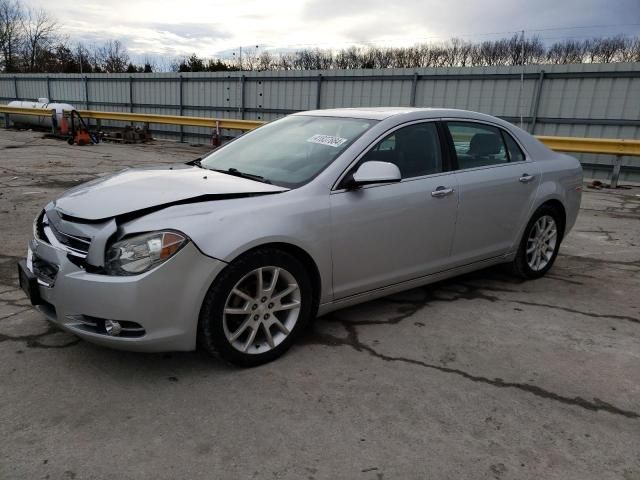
[
  {"x": 256, "y": 308},
  {"x": 540, "y": 244}
]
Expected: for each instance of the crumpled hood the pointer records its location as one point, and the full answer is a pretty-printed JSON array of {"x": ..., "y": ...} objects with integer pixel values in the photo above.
[{"x": 137, "y": 189}]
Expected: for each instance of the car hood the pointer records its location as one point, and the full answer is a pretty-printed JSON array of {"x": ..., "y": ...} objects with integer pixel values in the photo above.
[{"x": 142, "y": 189}]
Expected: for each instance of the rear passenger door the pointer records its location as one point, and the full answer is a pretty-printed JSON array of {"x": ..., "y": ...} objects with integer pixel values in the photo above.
[{"x": 496, "y": 186}]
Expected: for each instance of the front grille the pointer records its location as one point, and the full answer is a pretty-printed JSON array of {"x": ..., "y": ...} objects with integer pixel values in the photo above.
[
  {"x": 52, "y": 234},
  {"x": 78, "y": 244}
]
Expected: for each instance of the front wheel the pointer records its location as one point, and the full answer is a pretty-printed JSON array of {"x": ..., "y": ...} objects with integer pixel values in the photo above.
[
  {"x": 253, "y": 312},
  {"x": 540, "y": 244}
]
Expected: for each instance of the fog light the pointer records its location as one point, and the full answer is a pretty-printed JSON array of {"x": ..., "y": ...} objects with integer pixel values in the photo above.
[{"x": 112, "y": 327}]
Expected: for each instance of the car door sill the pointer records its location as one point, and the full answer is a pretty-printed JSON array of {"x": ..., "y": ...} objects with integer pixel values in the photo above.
[{"x": 408, "y": 284}]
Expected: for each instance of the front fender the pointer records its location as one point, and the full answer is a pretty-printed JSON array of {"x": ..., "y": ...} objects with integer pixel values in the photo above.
[{"x": 226, "y": 229}]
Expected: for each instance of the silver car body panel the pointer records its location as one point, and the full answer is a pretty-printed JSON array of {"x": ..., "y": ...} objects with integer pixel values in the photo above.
[
  {"x": 121, "y": 193},
  {"x": 364, "y": 243},
  {"x": 373, "y": 243}
]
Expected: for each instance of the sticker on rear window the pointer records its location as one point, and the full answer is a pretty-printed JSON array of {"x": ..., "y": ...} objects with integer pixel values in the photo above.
[{"x": 327, "y": 140}]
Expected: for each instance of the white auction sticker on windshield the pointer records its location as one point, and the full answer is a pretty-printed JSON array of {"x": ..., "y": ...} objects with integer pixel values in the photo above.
[{"x": 327, "y": 140}]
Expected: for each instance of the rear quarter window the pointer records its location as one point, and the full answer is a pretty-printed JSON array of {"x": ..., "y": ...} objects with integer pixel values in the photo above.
[{"x": 515, "y": 152}]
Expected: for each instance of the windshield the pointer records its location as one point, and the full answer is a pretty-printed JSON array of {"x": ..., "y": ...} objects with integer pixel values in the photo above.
[{"x": 288, "y": 152}]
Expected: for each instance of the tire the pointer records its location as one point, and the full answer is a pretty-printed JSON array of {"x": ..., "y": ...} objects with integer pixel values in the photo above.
[
  {"x": 236, "y": 290},
  {"x": 524, "y": 265}
]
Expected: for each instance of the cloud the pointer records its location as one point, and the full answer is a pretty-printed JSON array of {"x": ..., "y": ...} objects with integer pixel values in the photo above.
[
  {"x": 164, "y": 27},
  {"x": 191, "y": 31},
  {"x": 412, "y": 20}
]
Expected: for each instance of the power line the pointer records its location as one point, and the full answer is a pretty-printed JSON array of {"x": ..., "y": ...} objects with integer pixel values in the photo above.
[
  {"x": 618, "y": 25},
  {"x": 457, "y": 35}
]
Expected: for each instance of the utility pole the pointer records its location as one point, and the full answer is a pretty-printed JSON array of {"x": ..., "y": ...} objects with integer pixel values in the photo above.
[{"x": 521, "y": 78}]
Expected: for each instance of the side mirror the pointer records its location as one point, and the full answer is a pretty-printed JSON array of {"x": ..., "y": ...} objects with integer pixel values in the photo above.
[{"x": 376, "y": 172}]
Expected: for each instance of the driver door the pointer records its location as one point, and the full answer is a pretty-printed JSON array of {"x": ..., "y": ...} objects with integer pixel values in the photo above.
[{"x": 389, "y": 233}]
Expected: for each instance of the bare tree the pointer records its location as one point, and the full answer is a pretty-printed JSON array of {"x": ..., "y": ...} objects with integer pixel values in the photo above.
[
  {"x": 490, "y": 53},
  {"x": 83, "y": 57},
  {"x": 608, "y": 49},
  {"x": 568, "y": 51},
  {"x": 39, "y": 36},
  {"x": 348, "y": 58},
  {"x": 11, "y": 34},
  {"x": 631, "y": 50},
  {"x": 521, "y": 50},
  {"x": 285, "y": 62},
  {"x": 249, "y": 60},
  {"x": 381, "y": 57},
  {"x": 456, "y": 53},
  {"x": 114, "y": 57},
  {"x": 266, "y": 61}
]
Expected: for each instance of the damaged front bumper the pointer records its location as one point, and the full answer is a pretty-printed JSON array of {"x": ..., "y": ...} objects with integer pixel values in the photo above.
[{"x": 157, "y": 310}]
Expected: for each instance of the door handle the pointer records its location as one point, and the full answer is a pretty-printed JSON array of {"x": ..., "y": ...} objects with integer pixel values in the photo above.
[
  {"x": 526, "y": 178},
  {"x": 442, "y": 192}
]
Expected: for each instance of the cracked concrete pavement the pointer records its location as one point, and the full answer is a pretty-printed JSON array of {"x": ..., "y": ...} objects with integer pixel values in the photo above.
[{"x": 481, "y": 376}]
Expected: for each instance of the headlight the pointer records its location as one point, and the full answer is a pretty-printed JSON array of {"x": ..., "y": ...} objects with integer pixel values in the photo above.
[{"x": 141, "y": 253}]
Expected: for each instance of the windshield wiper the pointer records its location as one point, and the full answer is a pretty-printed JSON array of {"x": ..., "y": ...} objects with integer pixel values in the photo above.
[{"x": 237, "y": 173}]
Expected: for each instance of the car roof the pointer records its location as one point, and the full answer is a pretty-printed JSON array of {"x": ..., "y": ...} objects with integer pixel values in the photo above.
[
  {"x": 399, "y": 115},
  {"x": 381, "y": 113}
]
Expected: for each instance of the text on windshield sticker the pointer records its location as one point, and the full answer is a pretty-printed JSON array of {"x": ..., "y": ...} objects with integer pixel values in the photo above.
[{"x": 327, "y": 140}]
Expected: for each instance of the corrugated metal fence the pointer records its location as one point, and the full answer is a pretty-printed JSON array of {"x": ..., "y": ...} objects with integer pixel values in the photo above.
[{"x": 587, "y": 100}]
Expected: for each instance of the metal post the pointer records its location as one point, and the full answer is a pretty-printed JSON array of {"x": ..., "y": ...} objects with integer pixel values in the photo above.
[
  {"x": 319, "y": 92},
  {"x": 242, "y": 80},
  {"x": 15, "y": 87},
  {"x": 131, "y": 94},
  {"x": 49, "y": 89},
  {"x": 54, "y": 122},
  {"x": 6, "y": 120},
  {"x": 216, "y": 139},
  {"x": 86, "y": 92},
  {"x": 615, "y": 174},
  {"x": 181, "y": 96},
  {"x": 536, "y": 102},
  {"x": 414, "y": 87}
]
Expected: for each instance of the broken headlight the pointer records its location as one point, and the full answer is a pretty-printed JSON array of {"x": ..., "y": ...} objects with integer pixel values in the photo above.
[{"x": 141, "y": 253}]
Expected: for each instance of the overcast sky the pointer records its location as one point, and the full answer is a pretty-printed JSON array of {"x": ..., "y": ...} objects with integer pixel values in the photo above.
[{"x": 209, "y": 28}]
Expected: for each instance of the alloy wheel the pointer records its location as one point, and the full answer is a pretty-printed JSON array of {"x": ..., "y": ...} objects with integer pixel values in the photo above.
[
  {"x": 541, "y": 243},
  {"x": 261, "y": 310}
]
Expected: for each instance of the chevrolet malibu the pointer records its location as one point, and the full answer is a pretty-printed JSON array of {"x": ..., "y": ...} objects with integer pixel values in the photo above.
[{"x": 236, "y": 252}]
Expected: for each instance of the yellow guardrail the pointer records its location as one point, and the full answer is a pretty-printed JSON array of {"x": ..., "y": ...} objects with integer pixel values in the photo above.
[
  {"x": 563, "y": 144},
  {"x": 35, "y": 112},
  {"x": 609, "y": 146},
  {"x": 226, "y": 123}
]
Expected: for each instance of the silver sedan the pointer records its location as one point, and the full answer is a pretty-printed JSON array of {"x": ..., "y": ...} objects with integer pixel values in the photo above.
[{"x": 236, "y": 252}]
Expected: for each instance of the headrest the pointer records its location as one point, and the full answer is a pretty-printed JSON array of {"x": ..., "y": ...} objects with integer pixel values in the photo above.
[{"x": 485, "y": 144}]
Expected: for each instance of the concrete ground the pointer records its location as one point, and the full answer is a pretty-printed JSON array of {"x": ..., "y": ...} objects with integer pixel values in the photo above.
[{"x": 480, "y": 377}]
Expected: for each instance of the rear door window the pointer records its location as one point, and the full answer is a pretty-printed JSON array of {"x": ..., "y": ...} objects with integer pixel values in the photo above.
[{"x": 477, "y": 144}]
